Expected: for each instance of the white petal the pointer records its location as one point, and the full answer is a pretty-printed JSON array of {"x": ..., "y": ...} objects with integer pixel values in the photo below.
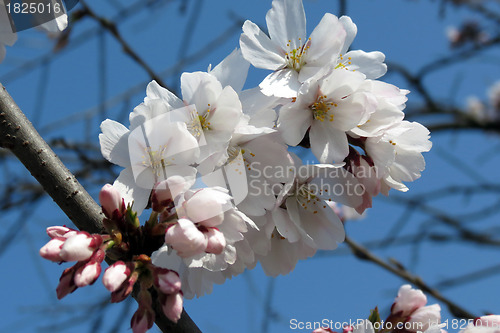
[
  {"x": 326, "y": 41},
  {"x": 232, "y": 71},
  {"x": 351, "y": 30},
  {"x": 324, "y": 226},
  {"x": 286, "y": 21},
  {"x": 285, "y": 226},
  {"x": 131, "y": 192},
  {"x": 371, "y": 64},
  {"x": 341, "y": 83},
  {"x": 328, "y": 144},
  {"x": 293, "y": 123},
  {"x": 282, "y": 83},
  {"x": 145, "y": 112},
  {"x": 114, "y": 142},
  {"x": 259, "y": 50},
  {"x": 227, "y": 112}
]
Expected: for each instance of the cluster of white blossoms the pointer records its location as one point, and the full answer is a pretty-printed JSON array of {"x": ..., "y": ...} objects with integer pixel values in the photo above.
[
  {"x": 410, "y": 314},
  {"x": 237, "y": 195}
]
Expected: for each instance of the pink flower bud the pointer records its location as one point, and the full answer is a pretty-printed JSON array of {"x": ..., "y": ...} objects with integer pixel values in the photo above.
[
  {"x": 115, "y": 275},
  {"x": 172, "y": 307},
  {"x": 142, "y": 320},
  {"x": 408, "y": 301},
  {"x": 87, "y": 274},
  {"x": 185, "y": 238},
  {"x": 165, "y": 191},
  {"x": 113, "y": 205},
  {"x": 323, "y": 330},
  {"x": 52, "y": 250},
  {"x": 58, "y": 231},
  {"x": 80, "y": 247},
  {"x": 66, "y": 284},
  {"x": 424, "y": 317},
  {"x": 216, "y": 241},
  {"x": 167, "y": 281},
  {"x": 125, "y": 289},
  {"x": 206, "y": 207}
]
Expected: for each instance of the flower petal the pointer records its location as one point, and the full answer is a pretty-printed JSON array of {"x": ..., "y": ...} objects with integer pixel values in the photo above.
[
  {"x": 286, "y": 22},
  {"x": 114, "y": 142},
  {"x": 259, "y": 50},
  {"x": 328, "y": 143},
  {"x": 282, "y": 83}
]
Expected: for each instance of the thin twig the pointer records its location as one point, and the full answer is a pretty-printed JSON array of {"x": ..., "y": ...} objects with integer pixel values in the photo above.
[
  {"x": 113, "y": 29},
  {"x": 365, "y": 254}
]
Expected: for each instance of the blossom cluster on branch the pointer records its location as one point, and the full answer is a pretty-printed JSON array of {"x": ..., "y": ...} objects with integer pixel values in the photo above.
[
  {"x": 217, "y": 168},
  {"x": 410, "y": 314}
]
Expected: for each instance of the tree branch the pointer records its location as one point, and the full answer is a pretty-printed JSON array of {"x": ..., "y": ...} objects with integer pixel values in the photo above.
[
  {"x": 365, "y": 254},
  {"x": 18, "y": 135}
]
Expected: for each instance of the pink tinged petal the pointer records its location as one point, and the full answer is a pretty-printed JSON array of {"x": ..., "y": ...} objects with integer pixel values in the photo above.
[
  {"x": 52, "y": 250},
  {"x": 114, "y": 143},
  {"x": 216, "y": 241},
  {"x": 66, "y": 284},
  {"x": 293, "y": 123},
  {"x": 206, "y": 207},
  {"x": 167, "y": 281},
  {"x": 408, "y": 301},
  {"x": 285, "y": 226},
  {"x": 232, "y": 71},
  {"x": 58, "y": 231},
  {"x": 281, "y": 83},
  {"x": 286, "y": 20},
  {"x": 327, "y": 40},
  {"x": 328, "y": 144},
  {"x": 87, "y": 274},
  {"x": 115, "y": 275},
  {"x": 185, "y": 238},
  {"x": 369, "y": 63},
  {"x": 172, "y": 307},
  {"x": 351, "y": 30},
  {"x": 78, "y": 247},
  {"x": 259, "y": 50},
  {"x": 111, "y": 201},
  {"x": 425, "y": 317},
  {"x": 126, "y": 288}
]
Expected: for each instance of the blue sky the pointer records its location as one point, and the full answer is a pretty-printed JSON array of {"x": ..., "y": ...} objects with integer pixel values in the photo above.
[{"x": 335, "y": 286}]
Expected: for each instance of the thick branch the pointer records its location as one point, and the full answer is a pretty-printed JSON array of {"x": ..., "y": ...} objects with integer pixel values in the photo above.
[{"x": 18, "y": 134}]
